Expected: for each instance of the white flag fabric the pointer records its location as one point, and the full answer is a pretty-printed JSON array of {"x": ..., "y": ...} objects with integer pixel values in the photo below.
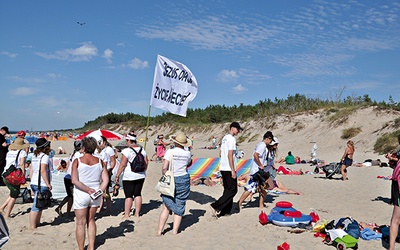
[{"x": 174, "y": 86}]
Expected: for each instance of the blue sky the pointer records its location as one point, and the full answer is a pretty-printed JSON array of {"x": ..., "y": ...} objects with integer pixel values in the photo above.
[{"x": 56, "y": 73}]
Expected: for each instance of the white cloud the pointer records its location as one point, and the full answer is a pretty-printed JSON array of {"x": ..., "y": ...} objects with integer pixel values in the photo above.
[
  {"x": 239, "y": 89},
  {"x": 5, "y": 53},
  {"x": 24, "y": 91},
  {"x": 54, "y": 75},
  {"x": 83, "y": 53},
  {"x": 227, "y": 75},
  {"x": 136, "y": 63},
  {"x": 108, "y": 54}
]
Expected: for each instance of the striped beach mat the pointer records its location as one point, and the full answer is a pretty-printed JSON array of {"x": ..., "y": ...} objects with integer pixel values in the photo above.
[{"x": 207, "y": 167}]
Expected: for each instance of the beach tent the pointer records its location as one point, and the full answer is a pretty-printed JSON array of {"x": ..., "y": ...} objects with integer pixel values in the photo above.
[{"x": 207, "y": 167}]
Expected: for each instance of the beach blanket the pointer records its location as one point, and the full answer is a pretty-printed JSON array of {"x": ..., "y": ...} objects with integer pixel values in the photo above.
[{"x": 207, "y": 167}]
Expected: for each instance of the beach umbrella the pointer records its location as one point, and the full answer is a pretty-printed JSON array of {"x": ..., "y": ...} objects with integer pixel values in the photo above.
[{"x": 110, "y": 135}]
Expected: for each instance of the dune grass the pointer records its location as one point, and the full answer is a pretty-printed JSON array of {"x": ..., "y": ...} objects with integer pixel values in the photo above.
[{"x": 350, "y": 132}]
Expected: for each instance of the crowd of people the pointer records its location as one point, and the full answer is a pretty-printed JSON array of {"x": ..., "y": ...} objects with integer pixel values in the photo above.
[{"x": 93, "y": 164}]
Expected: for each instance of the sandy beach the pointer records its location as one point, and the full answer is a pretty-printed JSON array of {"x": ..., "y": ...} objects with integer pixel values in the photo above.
[{"x": 364, "y": 197}]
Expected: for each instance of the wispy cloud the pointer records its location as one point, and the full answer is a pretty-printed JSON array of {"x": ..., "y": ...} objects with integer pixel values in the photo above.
[
  {"x": 108, "y": 54},
  {"x": 311, "y": 65},
  {"x": 27, "y": 79},
  {"x": 85, "y": 52},
  {"x": 54, "y": 76},
  {"x": 136, "y": 63},
  {"x": 11, "y": 55},
  {"x": 24, "y": 91},
  {"x": 210, "y": 33}
]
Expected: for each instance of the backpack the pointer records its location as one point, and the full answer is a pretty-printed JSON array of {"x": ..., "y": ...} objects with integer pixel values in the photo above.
[{"x": 138, "y": 164}]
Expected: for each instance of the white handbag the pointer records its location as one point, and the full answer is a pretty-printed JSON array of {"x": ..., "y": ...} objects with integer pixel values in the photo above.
[{"x": 166, "y": 184}]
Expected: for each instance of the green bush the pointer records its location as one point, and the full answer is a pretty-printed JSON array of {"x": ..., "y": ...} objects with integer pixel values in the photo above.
[
  {"x": 387, "y": 143},
  {"x": 350, "y": 133}
]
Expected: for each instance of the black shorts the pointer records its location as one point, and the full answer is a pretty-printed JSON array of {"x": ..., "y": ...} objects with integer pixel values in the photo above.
[
  {"x": 395, "y": 196},
  {"x": 69, "y": 187},
  {"x": 133, "y": 188}
]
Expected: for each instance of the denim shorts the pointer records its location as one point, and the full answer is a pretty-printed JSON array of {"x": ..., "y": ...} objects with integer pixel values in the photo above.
[{"x": 35, "y": 190}]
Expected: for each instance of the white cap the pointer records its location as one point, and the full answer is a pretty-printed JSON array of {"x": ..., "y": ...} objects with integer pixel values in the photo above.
[{"x": 275, "y": 141}]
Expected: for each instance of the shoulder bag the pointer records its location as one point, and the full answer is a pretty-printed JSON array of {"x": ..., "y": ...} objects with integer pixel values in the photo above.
[
  {"x": 43, "y": 199},
  {"x": 166, "y": 184},
  {"x": 17, "y": 176}
]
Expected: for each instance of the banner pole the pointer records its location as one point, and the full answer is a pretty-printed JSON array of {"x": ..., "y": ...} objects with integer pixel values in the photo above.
[{"x": 147, "y": 127}]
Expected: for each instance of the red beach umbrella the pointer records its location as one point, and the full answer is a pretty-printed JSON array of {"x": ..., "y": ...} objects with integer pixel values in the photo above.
[{"x": 110, "y": 135}]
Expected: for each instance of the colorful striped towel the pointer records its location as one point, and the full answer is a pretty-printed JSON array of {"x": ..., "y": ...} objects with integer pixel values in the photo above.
[{"x": 207, "y": 167}]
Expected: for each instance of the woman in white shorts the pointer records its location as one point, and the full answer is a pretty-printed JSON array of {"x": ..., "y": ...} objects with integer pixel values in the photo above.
[{"x": 88, "y": 176}]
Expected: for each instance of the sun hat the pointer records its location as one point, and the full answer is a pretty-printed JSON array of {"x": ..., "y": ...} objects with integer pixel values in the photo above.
[
  {"x": 5, "y": 129},
  {"x": 21, "y": 133},
  {"x": 236, "y": 125},
  {"x": 274, "y": 141},
  {"x": 182, "y": 140},
  {"x": 19, "y": 143},
  {"x": 42, "y": 143}
]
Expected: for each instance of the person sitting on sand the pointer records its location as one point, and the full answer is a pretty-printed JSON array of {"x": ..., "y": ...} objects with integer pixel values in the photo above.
[
  {"x": 63, "y": 166},
  {"x": 289, "y": 159},
  {"x": 61, "y": 150}
]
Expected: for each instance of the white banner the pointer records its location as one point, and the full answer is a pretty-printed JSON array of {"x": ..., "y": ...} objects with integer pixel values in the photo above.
[{"x": 174, "y": 86}]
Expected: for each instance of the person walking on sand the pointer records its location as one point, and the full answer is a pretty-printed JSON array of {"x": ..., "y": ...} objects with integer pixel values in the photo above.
[
  {"x": 347, "y": 158},
  {"x": 181, "y": 160},
  {"x": 132, "y": 181},
  {"x": 227, "y": 168},
  {"x": 259, "y": 155},
  {"x": 16, "y": 156}
]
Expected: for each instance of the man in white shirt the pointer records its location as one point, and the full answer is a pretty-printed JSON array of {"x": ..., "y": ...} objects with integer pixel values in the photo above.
[
  {"x": 259, "y": 156},
  {"x": 227, "y": 169}
]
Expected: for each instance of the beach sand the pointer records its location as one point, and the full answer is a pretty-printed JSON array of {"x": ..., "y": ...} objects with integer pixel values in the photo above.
[{"x": 364, "y": 197}]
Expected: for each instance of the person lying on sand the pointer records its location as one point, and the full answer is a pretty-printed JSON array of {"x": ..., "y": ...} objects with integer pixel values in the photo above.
[{"x": 288, "y": 171}]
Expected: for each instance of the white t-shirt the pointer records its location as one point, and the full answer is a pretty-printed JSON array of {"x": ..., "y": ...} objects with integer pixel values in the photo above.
[
  {"x": 261, "y": 150},
  {"x": 36, "y": 160},
  {"x": 108, "y": 152},
  {"x": 76, "y": 155},
  {"x": 11, "y": 156},
  {"x": 102, "y": 155},
  {"x": 180, "y": 159},
  {"x": 130, "y": 155},
  {"x": 228, "y": 143}
]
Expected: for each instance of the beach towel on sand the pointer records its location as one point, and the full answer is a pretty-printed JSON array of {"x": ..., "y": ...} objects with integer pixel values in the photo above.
[{"x": 207, "y": 167}]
